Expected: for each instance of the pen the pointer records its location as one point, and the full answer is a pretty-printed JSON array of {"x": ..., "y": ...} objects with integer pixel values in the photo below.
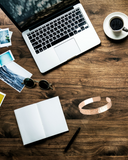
[{"x": 72, "y": 139}]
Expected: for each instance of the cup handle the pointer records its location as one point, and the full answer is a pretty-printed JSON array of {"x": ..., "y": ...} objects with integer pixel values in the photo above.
[{"x": 125, "y": 29}]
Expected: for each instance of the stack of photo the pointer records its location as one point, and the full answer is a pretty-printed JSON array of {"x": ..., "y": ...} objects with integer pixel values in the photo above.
[
  {"x": 5, "y": 37},
  {"x": 12, "y": 73}
]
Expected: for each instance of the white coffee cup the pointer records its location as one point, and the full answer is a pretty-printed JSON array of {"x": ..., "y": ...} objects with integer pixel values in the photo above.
[{"x": 116, "y": 23}]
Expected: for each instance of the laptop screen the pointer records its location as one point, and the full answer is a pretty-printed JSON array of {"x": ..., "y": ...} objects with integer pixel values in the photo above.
[{"x": 28, "y": 12}]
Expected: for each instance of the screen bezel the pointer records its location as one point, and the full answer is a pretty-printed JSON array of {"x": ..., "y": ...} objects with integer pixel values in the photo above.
[{"x": 43, "y": 20}]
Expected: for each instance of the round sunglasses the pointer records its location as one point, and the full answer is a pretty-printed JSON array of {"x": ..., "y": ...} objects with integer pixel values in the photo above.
[{"x": 30, "y": 83}]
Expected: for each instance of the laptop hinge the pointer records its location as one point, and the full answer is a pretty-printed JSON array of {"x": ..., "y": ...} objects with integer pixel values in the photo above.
[{"x": 51, "y": 17}]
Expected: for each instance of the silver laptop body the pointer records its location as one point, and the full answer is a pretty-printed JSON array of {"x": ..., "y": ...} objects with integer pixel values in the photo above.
[{"x": 52, "y": 49}]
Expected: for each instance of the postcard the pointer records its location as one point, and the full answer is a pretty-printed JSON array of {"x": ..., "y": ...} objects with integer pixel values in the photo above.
[
  {"x": 2, "y": 96},
  {"x": 13, "y": 74},
  {"x": 6, "y": 58},
  {"x": 10, "y": 38},
  {"x": 9, "y": 32},
  {"x": 5, "y": 39}
]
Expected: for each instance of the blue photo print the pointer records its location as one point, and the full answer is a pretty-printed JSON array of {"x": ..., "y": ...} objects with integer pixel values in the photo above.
[
  {"x": 12, "y": 79},
  {"x": 4, "y": 37},
  {"x": 6, "y": 58},
  {"x": 14, "y": 75}
]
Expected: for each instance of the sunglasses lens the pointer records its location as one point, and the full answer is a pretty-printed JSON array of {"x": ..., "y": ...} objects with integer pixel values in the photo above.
[
  {"x": 44, "y": 84},
  {"x": 29, "y": 82}
]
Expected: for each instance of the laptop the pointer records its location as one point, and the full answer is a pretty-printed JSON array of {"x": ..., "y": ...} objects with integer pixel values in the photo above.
[{"x": 54, "y": 30}]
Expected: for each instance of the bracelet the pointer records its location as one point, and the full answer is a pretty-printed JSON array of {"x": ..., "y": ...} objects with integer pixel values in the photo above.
[{"x": 97, "y": 110}]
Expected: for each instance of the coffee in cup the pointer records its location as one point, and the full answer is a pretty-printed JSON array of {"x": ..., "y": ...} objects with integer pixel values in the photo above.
[{"x": 117, "y": 24}]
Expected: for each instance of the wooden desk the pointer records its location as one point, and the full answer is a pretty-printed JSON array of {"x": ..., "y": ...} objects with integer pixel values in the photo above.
[{"x": 102, "y": 71}]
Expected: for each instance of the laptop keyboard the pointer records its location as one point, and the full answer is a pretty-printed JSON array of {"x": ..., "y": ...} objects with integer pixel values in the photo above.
[{"x": 57, "y": 30}]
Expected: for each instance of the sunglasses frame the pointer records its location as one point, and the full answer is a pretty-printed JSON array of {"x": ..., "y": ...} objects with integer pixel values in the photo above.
[{"x": 34, "y": 84}]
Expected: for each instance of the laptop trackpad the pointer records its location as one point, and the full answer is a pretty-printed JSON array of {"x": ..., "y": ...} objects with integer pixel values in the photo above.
[{"x": 67, "y": 50}]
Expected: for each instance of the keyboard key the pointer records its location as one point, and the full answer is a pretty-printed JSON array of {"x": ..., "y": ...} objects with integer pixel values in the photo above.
[
  {"x": 50, "y": 35},
  {"x": 47, "y": 42},
  {"x": 38, "y": 46},
  {"x": 82, "y": 28},
  {"x": 43, "y": 43},
  {"x": 51, "y": 30},
  {"x": 78, "y": 12},
  {"x": 75, "y": 26},
  {"x": 61, "y": 29},
  {"x": 37, "y": 51},
  {"x": 40, "y": 49},
  {"x": 58, "y": 36},
  {"x": 58, "y": 31},
  {"x": 65, "y": 27},
  {"x": 50, "y": 39},
  {"x": 75, "y": 32},
  {"x": 76, "y": 22},
  {"x": 81, "y": 20},
  {"x": 32, "y": 40},
  {"x": 77, "y": 9},
  {"x": 48, "y": 46},
  {"x": 71, "y": 34},
  {"x": 37, "y": 34},
  {"x": 41, "y": 32},
  {"x": 44, "y": 48},
  {"x": 35, "y": 44},
  {"x": 41, "y": 36},
  {"x": 61, "y": 34},
  {"x": 54, "y": 38},
  {"x": 33, "y": 35},
  {"x": 60, "y": 40},
  {"x": 81, "y": 24},
  {"x": 81, "y": 16},
  {"x": 65, "y": 32},
  {"x": 72, "y": 28},
  {"x": 47, "y": 37},
  {"x": 30, "y": 37},
  {"x": 78, "y": 31},
  {"x": 66, "y": 23}
]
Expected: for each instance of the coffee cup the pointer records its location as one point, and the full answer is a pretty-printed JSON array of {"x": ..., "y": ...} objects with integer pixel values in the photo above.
[{"x": 116, "y": 23}]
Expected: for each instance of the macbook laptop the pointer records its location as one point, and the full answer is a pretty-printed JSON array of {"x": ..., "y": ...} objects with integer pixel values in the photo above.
[{"x": 54, "y": 30}]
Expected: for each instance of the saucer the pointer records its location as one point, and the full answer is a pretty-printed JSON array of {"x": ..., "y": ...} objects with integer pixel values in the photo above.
[{"x": 109, "y": 32}]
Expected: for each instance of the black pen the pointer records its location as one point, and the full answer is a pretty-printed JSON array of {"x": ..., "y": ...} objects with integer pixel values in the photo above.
[{"x": 72, "y": 139}]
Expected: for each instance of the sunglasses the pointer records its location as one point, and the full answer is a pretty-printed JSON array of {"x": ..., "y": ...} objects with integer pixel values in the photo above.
[{"x": 30, "y": 83}]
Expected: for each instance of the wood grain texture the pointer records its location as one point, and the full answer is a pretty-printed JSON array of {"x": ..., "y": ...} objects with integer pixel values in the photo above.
[{"x": 102, "y": 71}]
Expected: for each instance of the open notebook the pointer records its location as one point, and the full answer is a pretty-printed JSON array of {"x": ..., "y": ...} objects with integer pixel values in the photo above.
[{"x": 41, "y": 120}]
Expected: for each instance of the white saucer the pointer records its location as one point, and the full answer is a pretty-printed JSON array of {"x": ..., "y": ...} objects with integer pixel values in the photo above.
[{"x": 109, "y": 32}]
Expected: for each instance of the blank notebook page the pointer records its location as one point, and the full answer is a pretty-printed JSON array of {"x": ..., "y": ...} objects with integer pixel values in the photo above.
[
  {"x": 29, "y": 123},
  {"x": 52, "y": 116}
]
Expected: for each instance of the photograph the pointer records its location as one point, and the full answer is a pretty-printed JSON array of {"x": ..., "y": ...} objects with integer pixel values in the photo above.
[
  {"x": 5, "y": 37},
  {"x": 6, "y": 58},
  {"x": 13, "y": 74},
  {"x": 2, "y": 96}
]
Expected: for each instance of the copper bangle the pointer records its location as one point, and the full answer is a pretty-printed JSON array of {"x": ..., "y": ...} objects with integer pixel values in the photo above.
[{"x": 97, "y": 110}]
